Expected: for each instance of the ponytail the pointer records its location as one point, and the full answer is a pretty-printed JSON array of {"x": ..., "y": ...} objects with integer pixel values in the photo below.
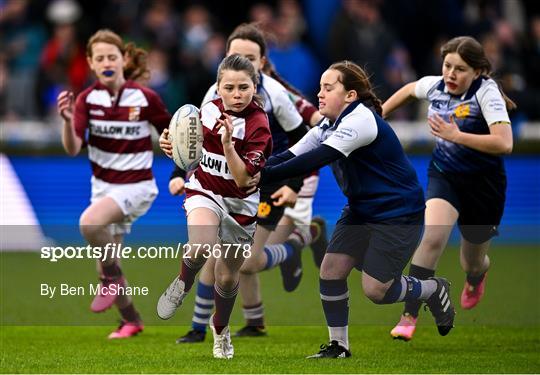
[
  {"x": 355, "y": 78},
  {"x": 136, "y": 63}
]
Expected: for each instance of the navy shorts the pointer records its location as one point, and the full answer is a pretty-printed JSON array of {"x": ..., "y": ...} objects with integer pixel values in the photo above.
[
  {"x": 269, "y": 215},
  {"x": 382, "y": 249},
  {"x": 478, "y": 198}
]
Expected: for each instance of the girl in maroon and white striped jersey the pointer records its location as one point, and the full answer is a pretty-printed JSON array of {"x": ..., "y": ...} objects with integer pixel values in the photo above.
[
  {"x": 113, "y": 118},
  {"x": 221, "y": 200}
]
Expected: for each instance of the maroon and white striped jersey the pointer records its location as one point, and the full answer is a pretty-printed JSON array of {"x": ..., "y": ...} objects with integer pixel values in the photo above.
[
  {"x": 119, "y": 139},
  {"x": 253, "y": 143}
]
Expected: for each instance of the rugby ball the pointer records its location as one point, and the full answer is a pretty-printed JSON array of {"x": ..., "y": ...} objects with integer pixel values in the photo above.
[{"x": 186, "y": 136}]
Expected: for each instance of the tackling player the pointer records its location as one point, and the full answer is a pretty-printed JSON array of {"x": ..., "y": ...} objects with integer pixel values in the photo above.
[{"x": 382, "y": 223}]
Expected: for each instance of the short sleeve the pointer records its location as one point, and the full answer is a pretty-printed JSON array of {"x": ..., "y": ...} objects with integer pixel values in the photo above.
[
  {"x": 424, "y": 84},
  {"x": 492, "y": 104},
  {"x": 356, "y": 130},
  {"x": 307, "y": 143},
  {"x": 258, "y": 146},
  {"x": 157, "y": 114},
  {"x": 285, "y": 111},
  {"x": 80, "y": 117}
]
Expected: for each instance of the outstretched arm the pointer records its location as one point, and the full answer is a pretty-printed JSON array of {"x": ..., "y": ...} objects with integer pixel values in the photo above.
[
  {"x": 302, "y": 164},
  {"x": 400, "y": 97}
]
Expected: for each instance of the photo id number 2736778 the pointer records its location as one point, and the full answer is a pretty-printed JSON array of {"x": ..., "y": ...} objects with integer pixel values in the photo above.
[{"x": 217, "y": 250}]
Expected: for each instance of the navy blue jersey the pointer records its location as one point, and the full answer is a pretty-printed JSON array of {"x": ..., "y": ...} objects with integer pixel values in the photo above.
[
  {"x": 473, "y": 112},
  {"x": 372, "y": 171}
]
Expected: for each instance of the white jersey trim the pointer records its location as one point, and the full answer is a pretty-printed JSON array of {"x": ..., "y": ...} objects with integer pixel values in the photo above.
[
  {"x": 492, "y": 103},
  {"x": 308, "y": 142},
  {"x": 282, "y": 105},
  {"x": 277, "y": 102},
  {"x": 120, "y": 162},
  {"x": 128, "y": 130},
  {"x": 424, "y": 84},
  {"x": 99, "y": 97},
  {"x": 215, "y": 164},
  {"x": 357, "y": 129},
  {"x": 247, "y": 206},
  {"x": 209, "y": 115},
  {"x": 133, "y": 98}
]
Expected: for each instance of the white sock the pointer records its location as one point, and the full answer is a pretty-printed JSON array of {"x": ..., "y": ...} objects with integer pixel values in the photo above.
[
  {"x": 428, "y": 288},
  {"x": 340, "y": 334}
]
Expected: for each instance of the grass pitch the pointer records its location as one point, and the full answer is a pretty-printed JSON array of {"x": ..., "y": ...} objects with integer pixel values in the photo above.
[{"x": 60, "y": 335}]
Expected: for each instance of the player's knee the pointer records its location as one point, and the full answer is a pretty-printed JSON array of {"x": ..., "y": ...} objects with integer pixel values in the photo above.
[
  {"x": 433, "y": 243},
  {"x": 226, "y": 280},
  {"x": 375, "y": 293},
  {"x": 89, "y": 227},
  {"x": 333, "y": 268},
  {"x": 325, "y": 272}
]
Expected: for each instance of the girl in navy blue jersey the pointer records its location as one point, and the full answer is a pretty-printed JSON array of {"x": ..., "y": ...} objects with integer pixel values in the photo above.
[
  {"x": 382, "y": 222},
  {"x": 467, "y": 181}
]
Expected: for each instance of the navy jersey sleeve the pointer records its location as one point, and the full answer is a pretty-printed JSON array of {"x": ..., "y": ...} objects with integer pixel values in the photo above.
[{"x": 302, "y": 164}]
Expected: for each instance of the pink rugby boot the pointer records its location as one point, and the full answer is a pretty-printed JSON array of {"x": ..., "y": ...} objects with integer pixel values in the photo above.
[
  {"x": 405, "y": 328},
  {"x": 104, "y": 299},
  {"x": 127, "y": 329},
  {"x": 471, "y": 295}
]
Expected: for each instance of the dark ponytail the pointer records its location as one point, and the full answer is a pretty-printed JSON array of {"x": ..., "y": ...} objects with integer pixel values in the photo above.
[{"x": 355, "y": 78}]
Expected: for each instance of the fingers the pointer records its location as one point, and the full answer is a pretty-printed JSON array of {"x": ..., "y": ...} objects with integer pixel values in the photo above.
[
  {"x": 165, "y": 145},
  {"x": 65, "y": 95},
  {"x": 226, "y": 122},
  {"x": 177, "y": 186},
  {"x": 252, "y": 182},
  {"x": 255, "y": 179},
  {"x": 433, "y": 124},
  {"x": 64, "y": 104},
  {"x": 281, "y": 200},
  {"x": 65, "y": 98}
]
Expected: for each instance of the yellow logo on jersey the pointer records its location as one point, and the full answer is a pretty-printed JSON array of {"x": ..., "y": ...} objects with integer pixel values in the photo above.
[
  {"x": 264, "y": 210},
  {"x": 462, "y": 111}
]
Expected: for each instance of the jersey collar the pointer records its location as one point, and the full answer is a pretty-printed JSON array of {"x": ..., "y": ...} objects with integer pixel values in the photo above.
[{"x": 351, "y": 107}]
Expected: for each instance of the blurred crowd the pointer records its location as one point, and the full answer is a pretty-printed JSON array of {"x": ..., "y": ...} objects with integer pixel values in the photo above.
[{"x": 42, "y": 44}]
